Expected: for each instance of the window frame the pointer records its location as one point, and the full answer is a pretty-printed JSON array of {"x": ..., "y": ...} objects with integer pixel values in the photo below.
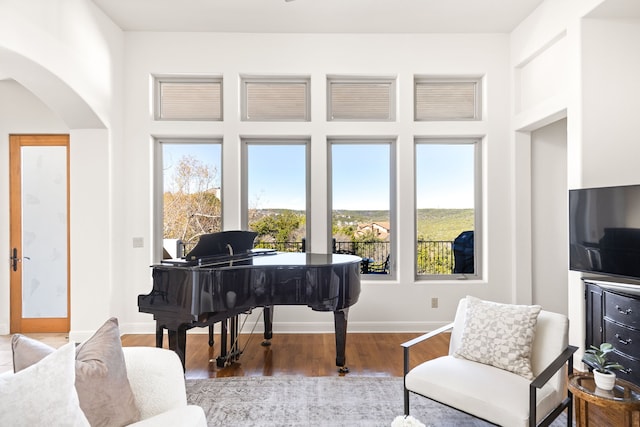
[
  {"x": 244, "y": 187},
  {"x": 393, "y": 239},
  {"x": 478, "y": 206},
  {"x": 249, "y": 79},
  {"x": 477, "y": 81},
  {"x": 393, "y": 95},
  {"x": 158, "y": 186},
  {"x": 158, "y": 80}
]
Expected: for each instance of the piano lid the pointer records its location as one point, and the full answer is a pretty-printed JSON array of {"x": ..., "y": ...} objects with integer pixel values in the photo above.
[{"x": 223, "y": 243}]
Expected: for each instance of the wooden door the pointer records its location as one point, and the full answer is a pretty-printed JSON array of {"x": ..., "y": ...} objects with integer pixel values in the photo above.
[{"x": 39, "y": 233}]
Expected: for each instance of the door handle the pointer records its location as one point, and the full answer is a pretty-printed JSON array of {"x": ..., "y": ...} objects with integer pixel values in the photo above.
[{"x": 14, "y": 259}]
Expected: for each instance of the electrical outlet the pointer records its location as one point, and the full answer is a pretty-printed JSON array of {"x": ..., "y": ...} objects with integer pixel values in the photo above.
[
  {"x": 138, "y": 242},
  {"x": 434, "y": 302}
]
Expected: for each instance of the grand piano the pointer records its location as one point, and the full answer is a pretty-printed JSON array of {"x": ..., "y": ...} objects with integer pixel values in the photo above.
[{"x": 223, "y": 276}]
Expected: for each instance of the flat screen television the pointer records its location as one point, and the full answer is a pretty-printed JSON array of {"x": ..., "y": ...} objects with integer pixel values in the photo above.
[{"x": 604, "y": 230}]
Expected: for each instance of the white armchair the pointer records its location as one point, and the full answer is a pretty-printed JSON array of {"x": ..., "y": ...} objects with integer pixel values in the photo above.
[
  {"x": 157, "y": 381},
  {"x": 493, "y": 394}
]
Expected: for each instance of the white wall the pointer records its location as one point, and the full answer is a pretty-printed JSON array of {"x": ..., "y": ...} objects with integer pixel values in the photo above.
[
  {"x": 69, "y": 80},
  {"x": 106, "y": 76},
  {"x": 610, "y": 93},
  {"x": 20, "y": 112},
  {"x": 599, "y": 62},
  {"x": 549, "y": 216},
  {"x": 384, "y": 306}
]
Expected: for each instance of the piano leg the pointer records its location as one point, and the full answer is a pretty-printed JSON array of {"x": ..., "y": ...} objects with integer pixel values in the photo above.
[
  {"x": 267, "y": 314},
  {"x": 229, "y": 327},
  {"x": 159, "y": 334},
  {"x": 233, "y": 356},
  {"x": 340, "y": 321},
  {"x": 178, "y": 342},
  {"x": 220, "y": 361}
]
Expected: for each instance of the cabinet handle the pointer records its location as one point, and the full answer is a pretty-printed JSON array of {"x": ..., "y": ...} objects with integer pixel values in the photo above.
[
  {"x": 627, "y": 311},
  {"x": 621, "y": 341}
]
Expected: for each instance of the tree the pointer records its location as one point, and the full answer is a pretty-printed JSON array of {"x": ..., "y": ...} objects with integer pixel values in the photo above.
[
  {"x": 191, "y": 201},
  {"x": 283, "y": 226}
]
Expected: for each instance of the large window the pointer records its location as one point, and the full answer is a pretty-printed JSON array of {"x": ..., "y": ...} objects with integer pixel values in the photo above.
[
  {"x": 190, "y": 172},
  {"x": 447, "y": 214},
  {"x": 276, "y": 200},
  {"x": 361, "y": 202}
]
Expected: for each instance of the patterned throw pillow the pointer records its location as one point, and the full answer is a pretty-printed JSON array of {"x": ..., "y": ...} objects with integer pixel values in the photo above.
[{"x": 499, "y": 335}]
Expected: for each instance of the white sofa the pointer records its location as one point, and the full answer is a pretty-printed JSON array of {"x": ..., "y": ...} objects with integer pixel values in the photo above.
[
  {"x": 155, "y": 375},
  {"x": 157, "y": 381}
]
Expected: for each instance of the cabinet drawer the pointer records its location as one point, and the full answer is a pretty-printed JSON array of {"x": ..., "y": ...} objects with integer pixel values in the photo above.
[
  {"x": 622, "y": 309},
  {"x": 625, "y": 340},
  {"x": 632, "y": 367}
]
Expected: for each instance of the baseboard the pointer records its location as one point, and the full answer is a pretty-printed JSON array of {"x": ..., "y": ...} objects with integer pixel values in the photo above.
[{"x": 297, "y": 327}]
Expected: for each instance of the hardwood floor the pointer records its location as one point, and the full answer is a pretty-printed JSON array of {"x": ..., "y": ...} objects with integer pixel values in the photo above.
[
  {"x": 368, "y": 354},
  {"x": 311, "y": 355}
]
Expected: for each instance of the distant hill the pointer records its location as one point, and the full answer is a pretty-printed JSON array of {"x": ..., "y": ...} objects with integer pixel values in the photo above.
[
  {"x": 432, "y": 224},
  {"x": 364, "y": 217},
  {"x": 444, "y": 224}
]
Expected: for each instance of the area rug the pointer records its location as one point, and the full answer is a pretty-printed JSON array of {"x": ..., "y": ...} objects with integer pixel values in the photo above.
[{"x": 317, "y": 401}]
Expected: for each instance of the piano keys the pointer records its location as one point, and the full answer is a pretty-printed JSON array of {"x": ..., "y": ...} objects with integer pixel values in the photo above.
[{"x": 190, "y": 295}]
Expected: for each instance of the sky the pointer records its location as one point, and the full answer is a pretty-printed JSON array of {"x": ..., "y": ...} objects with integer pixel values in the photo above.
[{"x": 444, "y": 174}]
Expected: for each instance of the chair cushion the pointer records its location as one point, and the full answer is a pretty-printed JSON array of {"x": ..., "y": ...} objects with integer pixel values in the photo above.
[
  {"x": 499, "y": 335},
  {"x": 484, "y": 391},
  {"x": 100, "y": 374}
]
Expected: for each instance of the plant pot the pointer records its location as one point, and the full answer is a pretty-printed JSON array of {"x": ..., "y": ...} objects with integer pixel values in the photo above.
[{"x": 605, "y": 381}]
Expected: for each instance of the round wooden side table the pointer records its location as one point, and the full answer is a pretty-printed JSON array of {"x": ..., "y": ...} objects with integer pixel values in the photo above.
[{"x": 621, "y": 404}]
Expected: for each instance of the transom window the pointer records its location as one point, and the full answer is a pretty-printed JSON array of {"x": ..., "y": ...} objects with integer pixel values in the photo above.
[
  {"x": 447, "y": 98},
  {"x": 275, "y": 99},
  {"x": 350, "y": 98},
  {"x": 192, "y": 98}
]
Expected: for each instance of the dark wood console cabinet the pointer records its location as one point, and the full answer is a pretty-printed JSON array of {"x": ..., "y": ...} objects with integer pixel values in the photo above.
[{"x": 613, "y": 315}]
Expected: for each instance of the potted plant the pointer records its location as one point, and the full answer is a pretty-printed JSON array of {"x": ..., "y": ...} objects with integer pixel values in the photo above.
[{"x": 603, "y": 369}]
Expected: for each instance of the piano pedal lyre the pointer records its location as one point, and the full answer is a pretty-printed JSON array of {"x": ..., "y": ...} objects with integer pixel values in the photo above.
[{"x": 343, "y": 369}]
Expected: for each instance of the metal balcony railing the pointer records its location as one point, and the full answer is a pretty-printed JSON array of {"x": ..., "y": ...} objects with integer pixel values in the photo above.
[
  {"x": 433, "y": 257},
  {"x": 282, "y": 246}
]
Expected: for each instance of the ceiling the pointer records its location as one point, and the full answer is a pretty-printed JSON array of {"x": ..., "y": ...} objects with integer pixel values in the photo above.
[{"x": 319, "y": 16}]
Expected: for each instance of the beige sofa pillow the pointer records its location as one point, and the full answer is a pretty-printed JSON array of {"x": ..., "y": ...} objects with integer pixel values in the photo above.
[
  {"x": 101, "y": 376},
  {"x": 499, "y": 335},
  {"x": 43, "y": 394}
]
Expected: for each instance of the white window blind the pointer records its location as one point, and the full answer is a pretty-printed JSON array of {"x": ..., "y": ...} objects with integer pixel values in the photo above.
[
  {"x": 188, "y": 99},
  {"x": 361, "y": 100},
  {"x": 275, "y": 100},
  {"x": 447, "y": 100}
]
